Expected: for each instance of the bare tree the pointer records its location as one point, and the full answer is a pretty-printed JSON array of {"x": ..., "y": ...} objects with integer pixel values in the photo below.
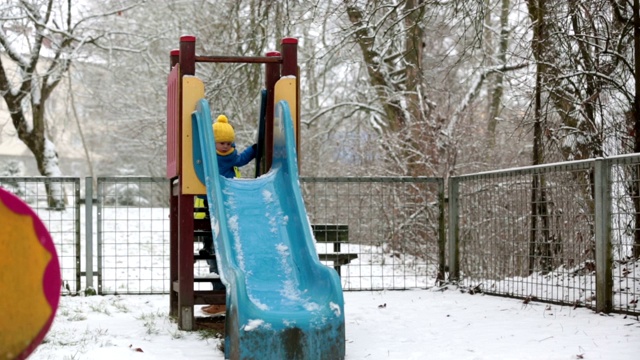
[
  {"x": 137, "y": 122},
  {"x": 584, "y": 52},
  {"x": 588, "y": 57},
  {"x": 635, "y": 188},
  {"x": 39, "y": 41},
  {"x": 390, "y": 36},
  {"x": 498, "y": 84}
]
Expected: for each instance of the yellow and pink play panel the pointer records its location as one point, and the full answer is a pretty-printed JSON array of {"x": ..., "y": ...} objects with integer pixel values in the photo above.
[{"x": 29, "y": 278}]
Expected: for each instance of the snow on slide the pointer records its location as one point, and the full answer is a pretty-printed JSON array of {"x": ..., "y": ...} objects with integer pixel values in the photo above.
[{"x": 282, "y": 303}]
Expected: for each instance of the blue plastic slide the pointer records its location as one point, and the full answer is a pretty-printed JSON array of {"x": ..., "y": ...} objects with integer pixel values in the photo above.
[{"x": 282, "y": 303}]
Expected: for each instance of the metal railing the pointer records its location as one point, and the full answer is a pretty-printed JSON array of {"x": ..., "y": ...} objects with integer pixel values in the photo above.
[
  {"x": 562, "y": 233},
  {"x": 132, "y": 235},
  {"x": 396, "y": 228},
  {"x": 546, "y": 233}
]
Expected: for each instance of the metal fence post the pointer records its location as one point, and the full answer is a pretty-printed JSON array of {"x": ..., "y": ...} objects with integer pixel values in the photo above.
[
  {"x": 604, "y": 279},
  {"x": 454, "y": 230},
  {"x": 77, "y": 235},
  {"x": 99, "y": 209},
  {"x": 442, "y": 236},
  {"x": 88, "y": 214}
]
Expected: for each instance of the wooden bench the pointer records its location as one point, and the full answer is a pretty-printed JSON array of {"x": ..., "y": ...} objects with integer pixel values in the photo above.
[
  {"x": 336, "y": 235},
  {"x": 324, "y": 233}
]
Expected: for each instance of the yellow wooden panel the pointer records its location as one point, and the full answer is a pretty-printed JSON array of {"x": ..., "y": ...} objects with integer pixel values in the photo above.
[
  {"x": 286, "y": 89},
  {"x": 192, "y": 92}
]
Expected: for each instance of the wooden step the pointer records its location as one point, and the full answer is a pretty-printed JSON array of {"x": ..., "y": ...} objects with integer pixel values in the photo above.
[
  {"x": 204, "y": 297},
  {"x": 197, "y": 256},
  {"x": 202, "y": 225},
  {"x": 209, "y": 297},
  {"x": 210, "y": 279},
  {"x": 199, "y": 279}
]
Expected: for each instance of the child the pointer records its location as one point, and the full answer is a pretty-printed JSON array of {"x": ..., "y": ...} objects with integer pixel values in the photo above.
[{"x": 229, "y": 160}]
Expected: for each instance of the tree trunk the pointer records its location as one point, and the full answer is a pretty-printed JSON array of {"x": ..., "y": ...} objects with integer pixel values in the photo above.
[
  {"x": 43, "y": 150},
  {"x": 403, "y": 103},
  {"x": 636, "y": 126},
  {"x": 539, "y": 241},
  {"x": 498, "y": 84}
]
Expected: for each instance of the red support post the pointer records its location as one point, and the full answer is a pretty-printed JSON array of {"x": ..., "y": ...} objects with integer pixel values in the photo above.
[
  {"x": 185, "y": 262},
  {"x": 173, "y": 123},
  {"x": 173, "y": 247},
  {"x": 174, "y": 58},
  {"x": 290, "y": 67},
  {"x": 182, "y": 249},
  {"x": 289, "y": 56},
  {"x": 173, "y": 144},
  {"x": 271, "y": 77},
  {"x": 188, "y": 55}
]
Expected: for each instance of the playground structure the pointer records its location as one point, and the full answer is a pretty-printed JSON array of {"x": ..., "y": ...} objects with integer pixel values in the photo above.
[
  {"x": 281, "y": 302},
  {"x": 30, "y": 279}
]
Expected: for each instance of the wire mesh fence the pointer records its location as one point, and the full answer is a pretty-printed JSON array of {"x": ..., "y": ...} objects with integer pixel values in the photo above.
[
  {"x": 625, "y": 233},
  {"x": 545, "y": 233},
  {"x": 132, "y": 235},
  {"x": 563, "y": 233},
  {"x": 395, "y": 229},
  {"x": 391, "y": 223},
  {"x": 528, "y": 233}
]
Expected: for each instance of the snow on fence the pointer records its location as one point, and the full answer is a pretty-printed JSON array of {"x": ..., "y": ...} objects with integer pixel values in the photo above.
[
  {"x": 563, "y": 233},
  {"x": 581, "y": 216}
]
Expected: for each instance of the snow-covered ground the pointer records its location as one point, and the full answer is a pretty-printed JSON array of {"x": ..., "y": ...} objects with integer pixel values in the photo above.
[
  {"x": 415, "y": 324},
  {"x": 402, "y": 325}
]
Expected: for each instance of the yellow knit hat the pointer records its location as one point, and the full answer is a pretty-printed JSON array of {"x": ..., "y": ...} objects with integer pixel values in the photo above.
[{"x": 222, "y": 130}]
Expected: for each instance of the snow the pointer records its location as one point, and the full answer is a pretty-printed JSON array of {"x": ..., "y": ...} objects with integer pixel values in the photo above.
[
  {"x": 436, "y": 323},
  {"x": 51, "y": 164},
  {"x": 419, "y": 324}
]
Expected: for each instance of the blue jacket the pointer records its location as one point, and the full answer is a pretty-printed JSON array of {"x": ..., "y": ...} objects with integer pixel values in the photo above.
[{"x": 226, "y": 163}]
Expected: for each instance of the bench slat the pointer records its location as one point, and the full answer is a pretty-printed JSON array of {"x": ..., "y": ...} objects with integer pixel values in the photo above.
[
  {"x": 338, "y": 258},
  {"x": 323, "y": 233}
]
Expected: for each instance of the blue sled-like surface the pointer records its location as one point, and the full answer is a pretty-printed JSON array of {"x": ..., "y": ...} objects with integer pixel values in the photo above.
[{"x": 282, "y": 303}]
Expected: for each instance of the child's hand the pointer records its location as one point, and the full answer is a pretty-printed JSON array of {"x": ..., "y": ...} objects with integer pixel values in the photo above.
[{"x": 255, "y": 147}]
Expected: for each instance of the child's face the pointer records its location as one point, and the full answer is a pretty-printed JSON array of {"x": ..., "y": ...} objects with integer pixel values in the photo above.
[{"x": 223, "y": 146}]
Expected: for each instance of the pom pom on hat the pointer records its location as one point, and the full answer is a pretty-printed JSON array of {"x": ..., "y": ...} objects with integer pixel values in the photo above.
[{"x": 222, "y": 130}]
